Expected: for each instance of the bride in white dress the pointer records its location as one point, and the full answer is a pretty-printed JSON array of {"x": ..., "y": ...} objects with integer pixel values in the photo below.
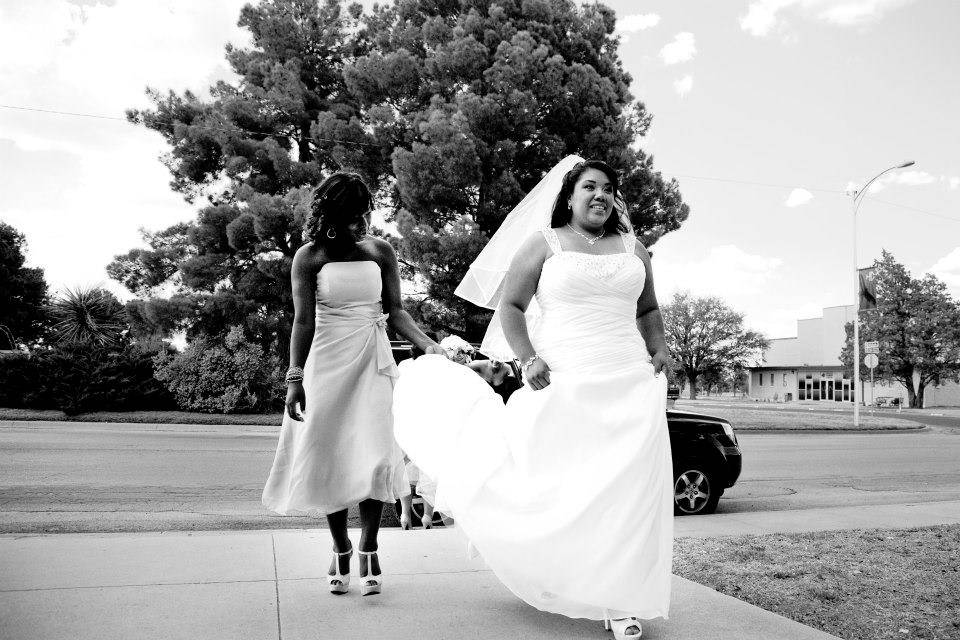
[{"x": 566, "y": 490}]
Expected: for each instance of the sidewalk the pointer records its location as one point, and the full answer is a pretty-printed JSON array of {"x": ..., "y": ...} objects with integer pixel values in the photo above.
[
  {"x": 269, "y": 584},
  {"x": 880, "y": 516},
  {"x": 264, "y": 584}
]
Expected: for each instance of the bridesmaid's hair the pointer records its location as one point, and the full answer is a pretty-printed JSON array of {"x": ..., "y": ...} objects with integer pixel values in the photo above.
[
  {"x": 561, "y": 210},
  {"x": 340, "y": 200}
]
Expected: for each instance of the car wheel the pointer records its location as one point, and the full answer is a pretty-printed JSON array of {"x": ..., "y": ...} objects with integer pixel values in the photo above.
[{"x": 695, "y": 490}]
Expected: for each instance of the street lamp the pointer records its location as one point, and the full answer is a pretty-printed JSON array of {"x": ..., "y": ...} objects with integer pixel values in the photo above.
[{"x": 857, "y": 199}]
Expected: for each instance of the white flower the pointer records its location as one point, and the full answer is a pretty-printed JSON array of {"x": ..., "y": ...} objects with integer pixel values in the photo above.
[{"x": 458, "y": 349}]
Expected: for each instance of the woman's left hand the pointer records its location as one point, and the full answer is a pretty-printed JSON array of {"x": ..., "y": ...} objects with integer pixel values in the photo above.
[
  {"x": 435, "y": 349},
  {"x": 662, "y": 361}
]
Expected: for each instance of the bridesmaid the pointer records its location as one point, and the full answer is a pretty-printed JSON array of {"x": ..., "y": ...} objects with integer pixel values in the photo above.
[{"x": 340, "y": 451}]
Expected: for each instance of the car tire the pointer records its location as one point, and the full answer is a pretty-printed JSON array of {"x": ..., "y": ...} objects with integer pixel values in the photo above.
[{"x": 696, "y": 490}]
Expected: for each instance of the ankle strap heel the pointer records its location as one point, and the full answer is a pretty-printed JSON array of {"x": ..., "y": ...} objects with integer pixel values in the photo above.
[
  {"x": 370, "y": 584},
  {"x": 339, "y": 583}
]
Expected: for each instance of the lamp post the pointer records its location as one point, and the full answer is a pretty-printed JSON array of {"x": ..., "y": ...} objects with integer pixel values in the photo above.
[{"x": 857, "y": 199}]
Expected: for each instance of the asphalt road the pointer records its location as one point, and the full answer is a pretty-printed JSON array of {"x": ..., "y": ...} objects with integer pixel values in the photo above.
[{"x": 70, "y": 477}]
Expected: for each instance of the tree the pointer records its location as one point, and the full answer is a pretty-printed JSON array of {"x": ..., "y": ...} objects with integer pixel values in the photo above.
[
  {"x": 917, "y": 324},
  {"x": 451, "y": 110},
  {"x": 705, "y": 336},
  {"x": 252, "y": 153},
  {"x": 478, "y": 100},
  {"x": 23, "y": 293}
]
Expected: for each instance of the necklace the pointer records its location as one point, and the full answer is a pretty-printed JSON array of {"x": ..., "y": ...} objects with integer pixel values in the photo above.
[{"x": 590, "y": 241}]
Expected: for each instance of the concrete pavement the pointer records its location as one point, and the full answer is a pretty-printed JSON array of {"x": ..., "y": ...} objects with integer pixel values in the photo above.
[
  {"x": 881, "y": 516},
  {"x": 270, "y": 584},
  {"x": 266, "y": 584}
]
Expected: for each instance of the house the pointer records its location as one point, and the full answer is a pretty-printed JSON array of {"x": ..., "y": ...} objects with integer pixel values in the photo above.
[{"x": 807, "y": 368}]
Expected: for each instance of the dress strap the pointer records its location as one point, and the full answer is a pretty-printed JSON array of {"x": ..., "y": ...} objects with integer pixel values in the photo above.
[
  {"x": 629, "y": 242},
  {"x": 553, "y": 241}
]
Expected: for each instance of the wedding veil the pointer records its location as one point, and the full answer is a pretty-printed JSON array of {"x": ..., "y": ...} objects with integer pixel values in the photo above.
[{"x": 483, "y": 284}]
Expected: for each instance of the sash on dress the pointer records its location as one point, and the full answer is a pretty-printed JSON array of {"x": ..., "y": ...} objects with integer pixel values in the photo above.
[{"x": 363, "y": 316}]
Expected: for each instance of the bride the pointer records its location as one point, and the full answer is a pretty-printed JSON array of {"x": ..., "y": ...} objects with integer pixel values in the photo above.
[{"x": 566, "y": 490}]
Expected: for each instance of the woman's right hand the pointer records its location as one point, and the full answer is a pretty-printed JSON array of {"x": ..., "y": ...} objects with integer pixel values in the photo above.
[
  {"x": 537, "y": 374},
  {"x": 296, "y": 396}
]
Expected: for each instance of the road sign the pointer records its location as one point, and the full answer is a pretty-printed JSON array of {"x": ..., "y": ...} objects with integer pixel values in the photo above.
[
  {"x": 871, "y": 347},
  {"x": 871, "y": 360}
]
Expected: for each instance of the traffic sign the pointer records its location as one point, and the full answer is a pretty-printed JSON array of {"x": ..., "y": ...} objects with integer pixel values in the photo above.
[
  {"x": 871, "y": 360},
  {"x": 871, "y": 347}
]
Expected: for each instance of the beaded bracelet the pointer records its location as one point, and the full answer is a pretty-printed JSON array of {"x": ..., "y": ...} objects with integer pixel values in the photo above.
[
  {"x": 294, "y": 374},
  {"x": 529, "y": 361}
]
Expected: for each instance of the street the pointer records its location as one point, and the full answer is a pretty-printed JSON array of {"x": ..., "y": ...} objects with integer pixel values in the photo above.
[{"x": 85, "y": 477}]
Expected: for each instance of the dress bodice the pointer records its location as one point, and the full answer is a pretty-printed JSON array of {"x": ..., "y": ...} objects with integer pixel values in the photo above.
[
  {"x": 588, "y": 306},
  {"x": 349, "y": 283},
  {"x": 349, "y": 304}
]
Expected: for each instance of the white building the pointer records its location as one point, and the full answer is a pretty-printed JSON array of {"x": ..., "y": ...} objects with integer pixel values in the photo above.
[{"x": 807, "y": 367}]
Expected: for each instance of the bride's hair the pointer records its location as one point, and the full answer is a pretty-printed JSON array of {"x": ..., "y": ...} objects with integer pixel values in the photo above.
[
  {"x": 340, "y": 201},
  {"x": 561, "y": 210}
]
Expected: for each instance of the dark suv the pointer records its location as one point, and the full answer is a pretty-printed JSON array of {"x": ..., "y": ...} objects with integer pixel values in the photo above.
[{"x": 706, "y": 460}]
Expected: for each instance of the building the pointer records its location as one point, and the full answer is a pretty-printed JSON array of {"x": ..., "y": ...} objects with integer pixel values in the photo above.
[{"x": 807, "y": 367}]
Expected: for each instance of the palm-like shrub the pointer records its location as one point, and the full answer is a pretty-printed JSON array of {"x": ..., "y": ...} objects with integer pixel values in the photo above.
[{"x": 88, "y": 316}]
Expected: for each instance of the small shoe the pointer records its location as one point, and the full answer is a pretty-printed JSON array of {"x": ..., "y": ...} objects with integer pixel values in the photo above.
[
  {"x": 406, "y": 522},
  {"x": 371, "y": 584},
  {"x": 339, "y": 583},
  {"x": 427, "y": 521},
  {"x": 623, "y": 627}
]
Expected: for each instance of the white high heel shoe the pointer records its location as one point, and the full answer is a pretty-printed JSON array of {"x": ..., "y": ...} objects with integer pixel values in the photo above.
[
  {"x": 371, "y": 584},
  {"x": 339, "y": 583},
  {"x": 620, "y": 626}
]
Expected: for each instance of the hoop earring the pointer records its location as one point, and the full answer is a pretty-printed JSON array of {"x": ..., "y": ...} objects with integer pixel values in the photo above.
[{"x": 331, "y": 233}]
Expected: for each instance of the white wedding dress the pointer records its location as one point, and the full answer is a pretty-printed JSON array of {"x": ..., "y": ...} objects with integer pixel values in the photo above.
[{"x": 566, "y": 491}]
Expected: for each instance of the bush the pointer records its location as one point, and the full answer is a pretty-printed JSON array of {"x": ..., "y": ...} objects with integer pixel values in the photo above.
[
  {"x": 19, "y": 382},
  {"x": 83, "y": 377},
  {"x": 229, "y": 376}
]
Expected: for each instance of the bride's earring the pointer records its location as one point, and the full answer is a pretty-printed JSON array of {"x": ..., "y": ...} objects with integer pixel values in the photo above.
[{"x": 331, "y": 233}]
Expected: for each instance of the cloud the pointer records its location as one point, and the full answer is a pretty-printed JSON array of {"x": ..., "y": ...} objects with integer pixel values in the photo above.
[
  {"x": 99, "y": 180},
  {"x": 910, "y": 178},
  {"x": 845, "y": 13},
  {"x": 725, "y": 271},
  {"x": 947, "y": 269},
  {"x": 761, "y": 17},
  {"x": 637, "y": 22},
  {"x": 904, "y": 178},
  {"x": 682, "y": 49},
  {"x": 798, "y": 197},
  {"x": 766, "y": 17},
  {"x": 99, "y": 59},
  {"x": 683, "y": 85}
]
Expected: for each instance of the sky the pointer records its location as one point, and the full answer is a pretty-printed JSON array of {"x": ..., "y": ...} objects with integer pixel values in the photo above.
[{"x": 765, "y": 112}]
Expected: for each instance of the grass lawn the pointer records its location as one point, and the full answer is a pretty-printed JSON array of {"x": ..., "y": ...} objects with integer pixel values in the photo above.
[
  {"x": 871, "y": 584},
  {"x": 747, "y": 418},
  {"x": 151, "y": 417}
]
